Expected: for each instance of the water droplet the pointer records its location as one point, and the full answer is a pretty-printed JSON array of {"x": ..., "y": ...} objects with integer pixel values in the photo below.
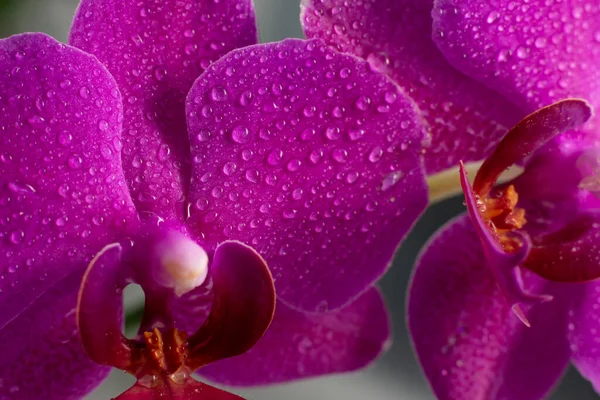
[
  {"x": 75, "y": 162},
  {"x": 160, "y": 73},
  {"x": 190, "y": 48},
  {"x": 63, "y": 190},
  {"x": 375, "y": 154},
  {"x": 340, "y": 155},
  {"x": 201, "y": 204},
  {"x": 362, "y": 103},
  {"x": 352, "y": 177},
  {"x": 16, "y": 237},
  {"x": 84, "y": 92},
  {"x": 333, "y": 133},
  {"x": 60, "y": 221},
  {"x": 309, "y": 111},
  {"x": 522, "y": 52},
  {"x": 17, "y": 187},
  {"x": 293, "y": 165},
  {"x": 297, "y": 194},
  {"x": 391, "y": 179},
  {"x": 246, "y": 98},
  {"x": 345, "y": 72},
  {"x": 541, "y": 42},
  {"x": 383, "y": 108},
  {"x": 103, "y": 125},
  {"x": 492, "y": 17},
  {"x": 308, "y": 134},
  {"x": 265, "y": 208},
  {"x": 290, "y": 214},
  {"x": 252, "y": 175},
  {"x": 229, "y": 168},
  {"x": 391, "y": 97},
  {"x": 203, "y": 135},
  {"x": 275, "y": 157},
  {"x": 240, "y": 134},
  {"x": 218, "y": 93},
  {"x": 356, "y": 133},
  {"x": 65, "y": 138},
  {"x": 316, "y": 156}
]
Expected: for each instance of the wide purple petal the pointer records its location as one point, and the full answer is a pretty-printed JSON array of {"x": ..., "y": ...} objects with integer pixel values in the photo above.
[
  {"x": 299, "y": 345},
  {"x": 311, "y": 158},
  {"x": 41, "y": 356},
  {"x": 155, "y": 50},
  {"x": 533, "y": 52},
  {"x": 466, "y": 118},
  {"x": 584, "y": 325},
  {"x": 62, "y": 191},
  {"x": 465, "y": 336}
]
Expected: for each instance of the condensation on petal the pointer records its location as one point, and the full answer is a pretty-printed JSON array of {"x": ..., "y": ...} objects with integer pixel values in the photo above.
[
  {"x": 314, "y": 160},
  {"x": 63, "y": 195},
  {"x": 466, "y": 118},
  {"x": 300, "y": 345},
  {"x": 534, "y": 53},
  {"x": 468, "y": 342},
  {"x": 155, "y": 49}
]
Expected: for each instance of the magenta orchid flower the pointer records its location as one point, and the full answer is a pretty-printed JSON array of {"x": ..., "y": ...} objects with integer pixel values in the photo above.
[
  {"x": 476, "y": 68},
  {"x": 148, "y": 151}
]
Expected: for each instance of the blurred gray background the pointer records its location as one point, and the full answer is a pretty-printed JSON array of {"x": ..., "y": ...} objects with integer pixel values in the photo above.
[{"x": 396, "y": 376}]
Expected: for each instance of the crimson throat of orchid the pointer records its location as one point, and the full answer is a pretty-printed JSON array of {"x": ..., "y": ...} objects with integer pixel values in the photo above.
[
  {"x": 494, "y": 210},
  {"x": 168, "y": 265}
]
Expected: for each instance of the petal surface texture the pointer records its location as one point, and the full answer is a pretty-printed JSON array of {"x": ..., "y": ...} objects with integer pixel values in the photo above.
[
  {"x": 313, "y": 159},
  {"x": 468, "y": 342},
  {"x": 466, "y": 118},
  {"x": 155, "y": 49},
  {"x": 533, "y": 52},
  {"x": 41, "y": 356},
  {"x": 583, "y": 333},
  {"x": 62, "y": 191},
  {"x": 299, "y": 345}
]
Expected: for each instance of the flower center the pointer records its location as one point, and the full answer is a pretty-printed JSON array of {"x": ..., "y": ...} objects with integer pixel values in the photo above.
[
  {"x": 503, "y": 216},
  {"x": 162, "y": 356},
  {"x": 167, "y": 264}
]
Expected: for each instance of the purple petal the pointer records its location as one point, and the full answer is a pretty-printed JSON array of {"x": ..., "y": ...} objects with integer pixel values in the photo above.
[
  {"x": 584, "y": 325},
  {"x": 570, "y": 254},
  {"x": 62, "y": 191},
  {"x": 466, "y": 118},
  {"x": 299, "y": 345},
  {"x": 533, "y": 52},
  {"x": 243, "y": 305},
  {"x": 41, "y": 356},
  {"x": 155, "y": 50},
  {"x": 529, "y": 135},
  {"x": 313, "y": 159},
  {"x": 467, "y": 340}
]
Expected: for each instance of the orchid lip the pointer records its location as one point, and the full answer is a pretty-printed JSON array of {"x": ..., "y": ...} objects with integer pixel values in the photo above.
[{"x": 162, "y": 356}]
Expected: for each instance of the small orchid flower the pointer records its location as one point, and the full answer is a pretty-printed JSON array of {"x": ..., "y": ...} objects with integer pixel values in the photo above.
[
  {"x": 476, "y": 68},
  {"x": 147, "y": 151}
]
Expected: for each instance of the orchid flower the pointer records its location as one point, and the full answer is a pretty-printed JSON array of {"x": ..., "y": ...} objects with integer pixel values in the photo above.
[
  {"x": 529, "y": 248},
  {"x": 163, "y": 147}
]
